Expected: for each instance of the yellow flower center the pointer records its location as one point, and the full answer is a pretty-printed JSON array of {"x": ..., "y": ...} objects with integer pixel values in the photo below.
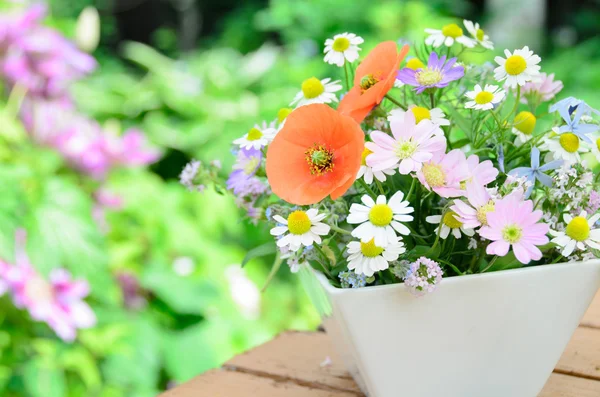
[
  {"x": 312, "y": 88},
  {"x": 365, "y": 153},
  {"x": 525, "y": 122},
  {"x": 341, "y": 44},
  {"x": 367, "y": 82},
  {"x": 515, "y": 65},
  {"x": 298, "y": 222},
  {"x": 428, "y": 77},
  {"x": 578, "y": 229},
  {"x": 414, "y": 64},
  {"x": 421, "y": 113},
  {"x": 512, "y": 234},
  {"x": 370, "y": 250},
  {"x": 254, "y": 134},
  {"x": 381, "y": 215},
  {"x": 480, "y": 34},
  {"x": 451, "y": 221},
  {"x": 484, "y": 97},
  {"x": 434, "y": 175},
  {"x": 405, "y": 149},
  {"x": 319, "y": 159},
  {"x": 452, "y": 30},
  {"x": 483, "y": 211},
  {"x": 569, "y": 142},
  {"x": 283, "y": 113},
  {"x": 598, "y": 144}
]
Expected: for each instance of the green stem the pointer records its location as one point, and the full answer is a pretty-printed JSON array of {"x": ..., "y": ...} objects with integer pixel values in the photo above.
[
  {"x": 412, "y": 187},
  {"x": 367, "y": 188},
  {"x": 490, "y": 264},
  {"x": 338, "y": 229},
  {"x": 431, "y": 99},
  {"x": 346, "y": 74},
  {"x": 395, "y": 102},
  {"x": 380, "y": 186},
  {"x": 518, "y": 99}
]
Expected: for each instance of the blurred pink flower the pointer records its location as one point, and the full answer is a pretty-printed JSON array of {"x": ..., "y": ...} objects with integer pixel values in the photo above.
[
  {"x": 545, "y": 87},
  {"x": 57, "y": 301}
]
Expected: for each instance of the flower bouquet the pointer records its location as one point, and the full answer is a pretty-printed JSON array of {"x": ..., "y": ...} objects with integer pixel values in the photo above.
[{"x": 426, "y": 169}]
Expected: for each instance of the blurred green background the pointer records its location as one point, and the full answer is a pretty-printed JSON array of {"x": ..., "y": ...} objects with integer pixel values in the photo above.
[{"x": 164, "y": 268}]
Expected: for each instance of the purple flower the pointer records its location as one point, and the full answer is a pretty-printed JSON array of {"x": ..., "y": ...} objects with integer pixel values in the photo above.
[
  {"x": 423, "y": 276},
  {"x": 57, "y": 301},
  {"x": 593, "y": 204},
  {"x": 437, "y": 74},
  {"x": 242, "y": 178}
]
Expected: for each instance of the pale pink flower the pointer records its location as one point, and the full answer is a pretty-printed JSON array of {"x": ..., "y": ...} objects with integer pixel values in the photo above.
[
  {"x": 480, "y": 173},
  {"x": 474, "y": 213},
  {"x": 514, "y": 223},
  {"x": 544, "y": 87},
  {"x": 444, "y": 173},
  {"x": 411, "y": 145}
]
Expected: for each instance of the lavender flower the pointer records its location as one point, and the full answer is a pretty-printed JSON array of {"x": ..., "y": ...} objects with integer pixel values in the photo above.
[
  {"x": 437, "y": 74},
  {"x": 352, "y": 280},
  {"x": 535, "y": 171},
  {"x": 248, "y": 162},
  {"x": 423, "y": 277},
  {"x": 593, "y": 204},
  {"x": 189, "y": 173}
]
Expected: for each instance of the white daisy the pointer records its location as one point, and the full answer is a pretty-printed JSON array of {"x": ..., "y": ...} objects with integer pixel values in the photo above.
[
  {"x": 380, "y": 220},
  {"x": 523, "y": 126},
  {"x": 258, "y": 137},
  {"x": 448, "y": 35},
  {"x": 436, "y": 115},
  {"x": 484, "y": 99},
  {"x": 304, "y": 228},
  {"x": 478, "y": 34},
  {"x": 342, "y": 47},
  {"x": 566, "y": 146},
  {"x": 577, "y": 234},
  {"x": 368, "y": 258},
  {"x": 518, "y": 68},
  {"x": 317, "y": 91},
  {"x": 449, "y": 223},
  {"x": 367, "y": 172}
]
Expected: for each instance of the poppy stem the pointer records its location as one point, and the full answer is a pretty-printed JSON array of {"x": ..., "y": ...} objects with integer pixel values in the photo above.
[
  {"x": 395, "y": 102},
  {"x": 367, "y": 188}
]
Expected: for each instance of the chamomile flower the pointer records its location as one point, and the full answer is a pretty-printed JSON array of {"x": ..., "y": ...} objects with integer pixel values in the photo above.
[
  {"x": 343, "y": 47},
  {"x": 579, "y": 233},
  {"x": 367, "y": 172},
  {"x": 258, "y": 137},
  {"x": 566, "y": 146},
  {"x": 449, "y": 223},
  {"x": 486, "y": 98},
  {"x": 448, "y": 35},
  {"x": 478, "y": 34},
  {"x": 301, "y": 228},
  {"x": 518, "y": 67},
  {"x": 317, "y": 91},
  {"x": 523, "y": 126},
  {"x": 368, "y": 258},
  {"x": 436, "y": 115},
  {"x": 380, "y": 220}
]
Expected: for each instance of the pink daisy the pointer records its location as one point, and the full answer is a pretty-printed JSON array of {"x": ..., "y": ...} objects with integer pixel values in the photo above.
[
  {"x": 411, "y": 145},
  {"x": 474, "y": 213},
  {"x": 514, "y": 223},
  {"x": 444, "y": 173},
  {"x": 481, "y": 172},
  {"x": 544, "y": 88}
]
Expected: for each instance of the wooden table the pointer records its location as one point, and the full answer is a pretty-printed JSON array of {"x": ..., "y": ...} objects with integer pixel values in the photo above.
[{"x": 301, "y": 364}]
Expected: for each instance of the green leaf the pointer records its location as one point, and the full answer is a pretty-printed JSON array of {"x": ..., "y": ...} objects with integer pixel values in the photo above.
[
  {"x": 257, "y": 252},
  {"x": 80, "y": 361},
  {"x": 44, "y": 381}
]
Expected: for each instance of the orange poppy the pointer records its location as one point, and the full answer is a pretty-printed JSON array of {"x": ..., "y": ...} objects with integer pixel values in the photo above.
[
  {"x": 373, "y": 79},
  {"x": 317, "y": 153}
]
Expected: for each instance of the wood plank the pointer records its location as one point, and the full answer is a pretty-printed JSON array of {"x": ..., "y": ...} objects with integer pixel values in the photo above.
[
  {"x": 298, "y": 355},
  {"x": 569, "y": 386},
  {"x": 592, "y": 316},
  {"x": 582, "y": 355},
  {"x": 224, "y": 383}
]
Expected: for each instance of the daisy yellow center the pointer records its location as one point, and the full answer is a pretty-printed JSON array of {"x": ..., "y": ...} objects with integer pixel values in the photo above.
[
  {"x": 254, "y": 134},
  {"x": 569, "y": 142},
  {"x": 525, "y": 122},
  {"x": 421, "y": 113},
  {"x": 452, "y": 30},
  {"x": 405, "y": 149},
  {"x": 483, "y": 211},
  {"x": 484, "y": 97},
  {"x": 283, "y": 113},
  {"x": 451, "y": 221},
  {"x": 341, "y": 44},
  {"x": 434, "y": 175},
  {"x": 365, "y": 153},
  {"x": 414, "y": 64},
  {"x": 480, "y": 34},
  {"x": 381, "y": 215},
  {"x": 512, "y": 233},
  {"x": 251, "y": 165},
  {"x": 515, "y": 65},
  {"x": 312, "y": 88},
  {"x": 298, "y": 222},
  {"x": 367, "y": 82},
  {"x": 39, "y": 290},
  {"x": 578, "y": 229},
  {"x": 598, "y": 144},
  {"x": 370, "y": 250},
  {"x": 428, "y": 76},
  {"x": 319, "y": 159}
]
